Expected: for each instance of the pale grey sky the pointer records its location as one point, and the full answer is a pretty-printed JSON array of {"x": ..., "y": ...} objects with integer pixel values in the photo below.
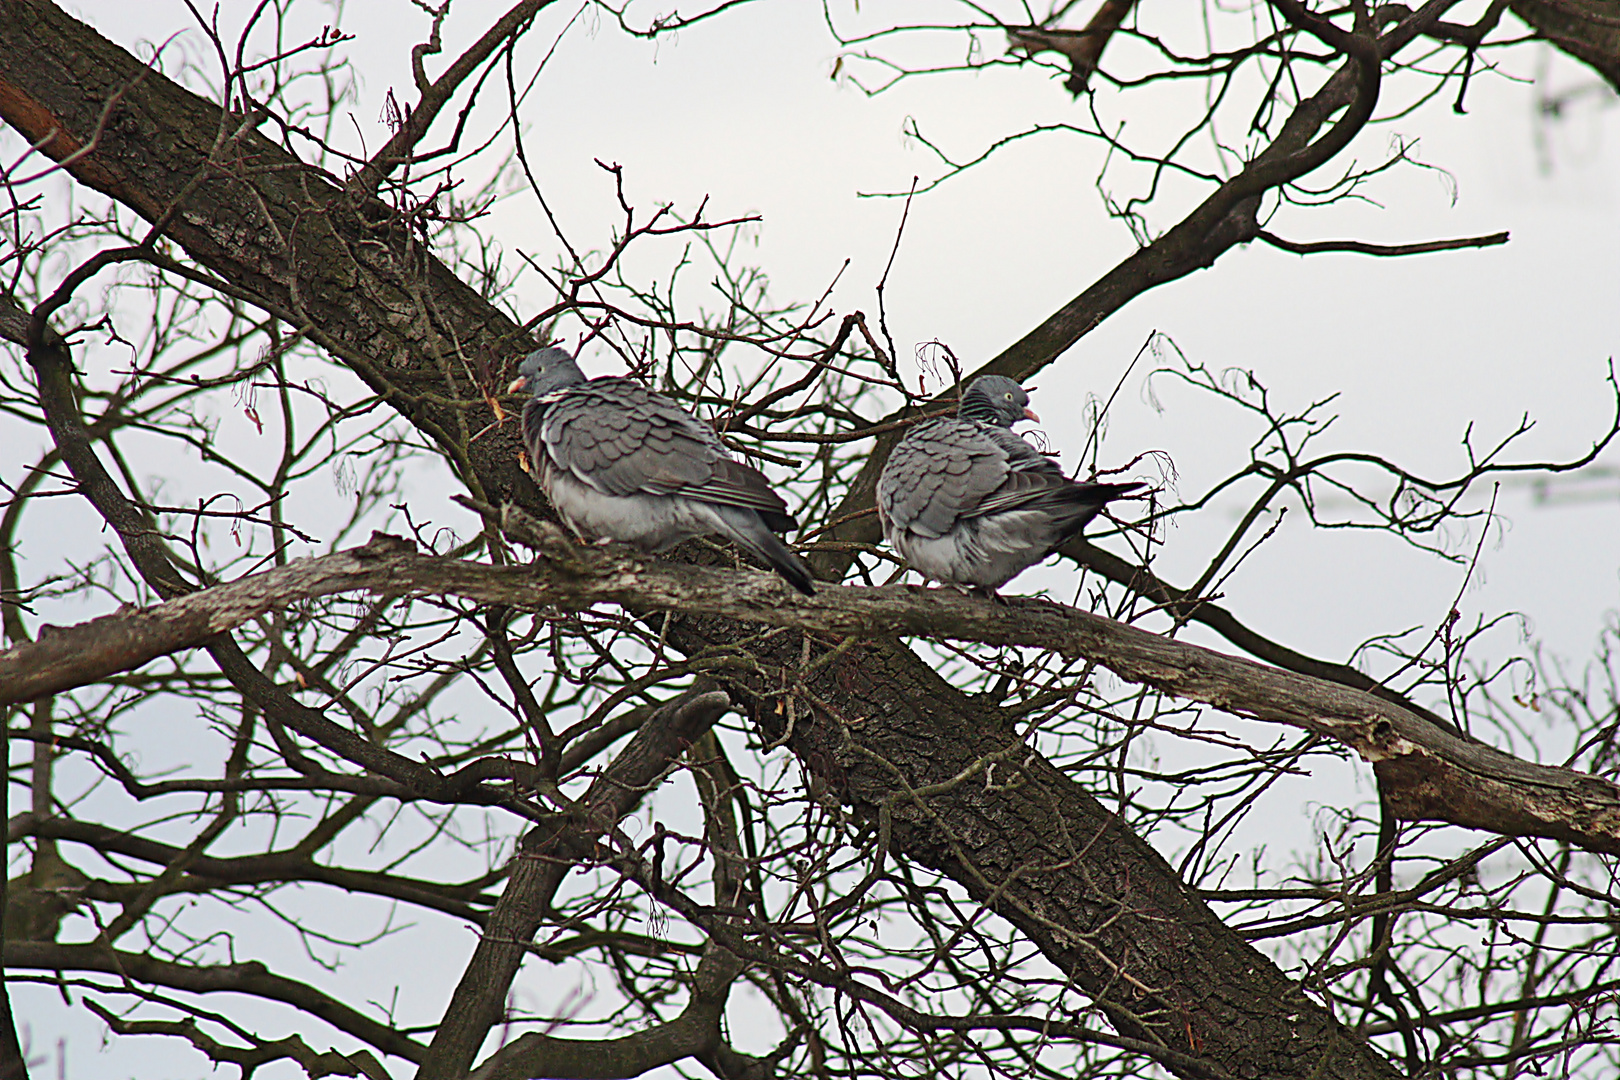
[{"x": 744, "y": 111}]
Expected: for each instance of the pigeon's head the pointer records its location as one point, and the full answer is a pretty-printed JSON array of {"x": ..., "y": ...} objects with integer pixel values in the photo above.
[
  {"x": 545, "y": 370},
  {"x": 995, "y": 399}
]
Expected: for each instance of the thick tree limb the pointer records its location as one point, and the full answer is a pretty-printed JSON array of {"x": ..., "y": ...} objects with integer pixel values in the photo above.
[
  {"x": 207, "y": 872},
  {"x": 13, "y": 1065},
  {"x": 1430, "y": 773},
  {"x": 251, "y": 977},
  {"x": 1588, "y": 30},
  {"x": 1182, "y": 606},
  {"x": 1095, "y": 899},
  {"x": 544, "y": 859},
  {"x": 694, "y": 1033},
  {"x": 1082, "y": 48},
  {"x": 59, "y": 659}
]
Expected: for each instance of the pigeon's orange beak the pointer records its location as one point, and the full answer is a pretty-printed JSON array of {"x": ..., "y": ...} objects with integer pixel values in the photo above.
[
  {"x": 517, "y": 384},
  {"x": 1029, "y": 414}
]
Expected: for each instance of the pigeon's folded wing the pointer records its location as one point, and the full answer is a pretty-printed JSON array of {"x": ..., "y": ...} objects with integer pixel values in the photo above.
[
  {"x": 940, "y": 473},
  {"x": 622, "y": 439}
]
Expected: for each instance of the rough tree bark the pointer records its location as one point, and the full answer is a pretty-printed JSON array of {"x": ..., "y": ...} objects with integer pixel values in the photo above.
[
  {"x": 1589, "y": 30},
  {"x": 1431, "y": 774},
  {"x": 887, "y": 734}
]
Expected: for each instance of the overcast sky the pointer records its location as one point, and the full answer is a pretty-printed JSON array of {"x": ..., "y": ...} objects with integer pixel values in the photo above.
[{"x": 744, "y": 111}]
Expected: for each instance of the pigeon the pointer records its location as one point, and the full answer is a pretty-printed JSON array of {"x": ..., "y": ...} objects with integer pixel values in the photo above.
[
  {"x": 621, "y": 462},
  {"x": 966, "y": 501}
]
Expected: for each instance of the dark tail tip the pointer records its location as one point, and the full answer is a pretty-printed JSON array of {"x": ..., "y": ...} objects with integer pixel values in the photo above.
[
  {"x": 1100, "y": 495},
  {"x": 749, "y": 529},
  {"x": 1114, "y": 491},
  {"x": 796, "y": 573},
  {"x": 752, "y": 533},
  {"x": 785, "y": 562}
]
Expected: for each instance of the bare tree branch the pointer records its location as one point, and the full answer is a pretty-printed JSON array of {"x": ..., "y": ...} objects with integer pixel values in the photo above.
[
  {"x": 695, "y": 1033},
  {"x": 250, "y": 977},
  {"x": 1390, "y": 250},
  {"x": 941, "y": 789},
  {"x": 436, "y": 93},
  {"x": 543, "y": 860},
  {"x": 1430, "y": 773}
]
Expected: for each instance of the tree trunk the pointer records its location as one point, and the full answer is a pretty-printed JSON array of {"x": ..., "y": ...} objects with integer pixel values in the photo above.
[
  {"x": 1097, "y": 901},
  {"x": 1589, "y": 30}
]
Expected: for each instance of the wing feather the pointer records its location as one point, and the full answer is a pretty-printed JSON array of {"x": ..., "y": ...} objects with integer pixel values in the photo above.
[
  {"x": 623, "y": 439},
  {"x": 940, "y": 473}
]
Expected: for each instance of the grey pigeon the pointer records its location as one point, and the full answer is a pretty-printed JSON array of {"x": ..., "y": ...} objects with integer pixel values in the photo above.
[
  {"x": 620, "y": 462},
  {"x": 966, "y": 501}
]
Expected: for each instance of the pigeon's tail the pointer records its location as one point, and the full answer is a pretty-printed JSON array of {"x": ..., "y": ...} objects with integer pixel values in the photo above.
[
  {"x": 1100, "y": 495},
  {"x": 747, "y": 528},
  {"x": 1084, "y": 502}
]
